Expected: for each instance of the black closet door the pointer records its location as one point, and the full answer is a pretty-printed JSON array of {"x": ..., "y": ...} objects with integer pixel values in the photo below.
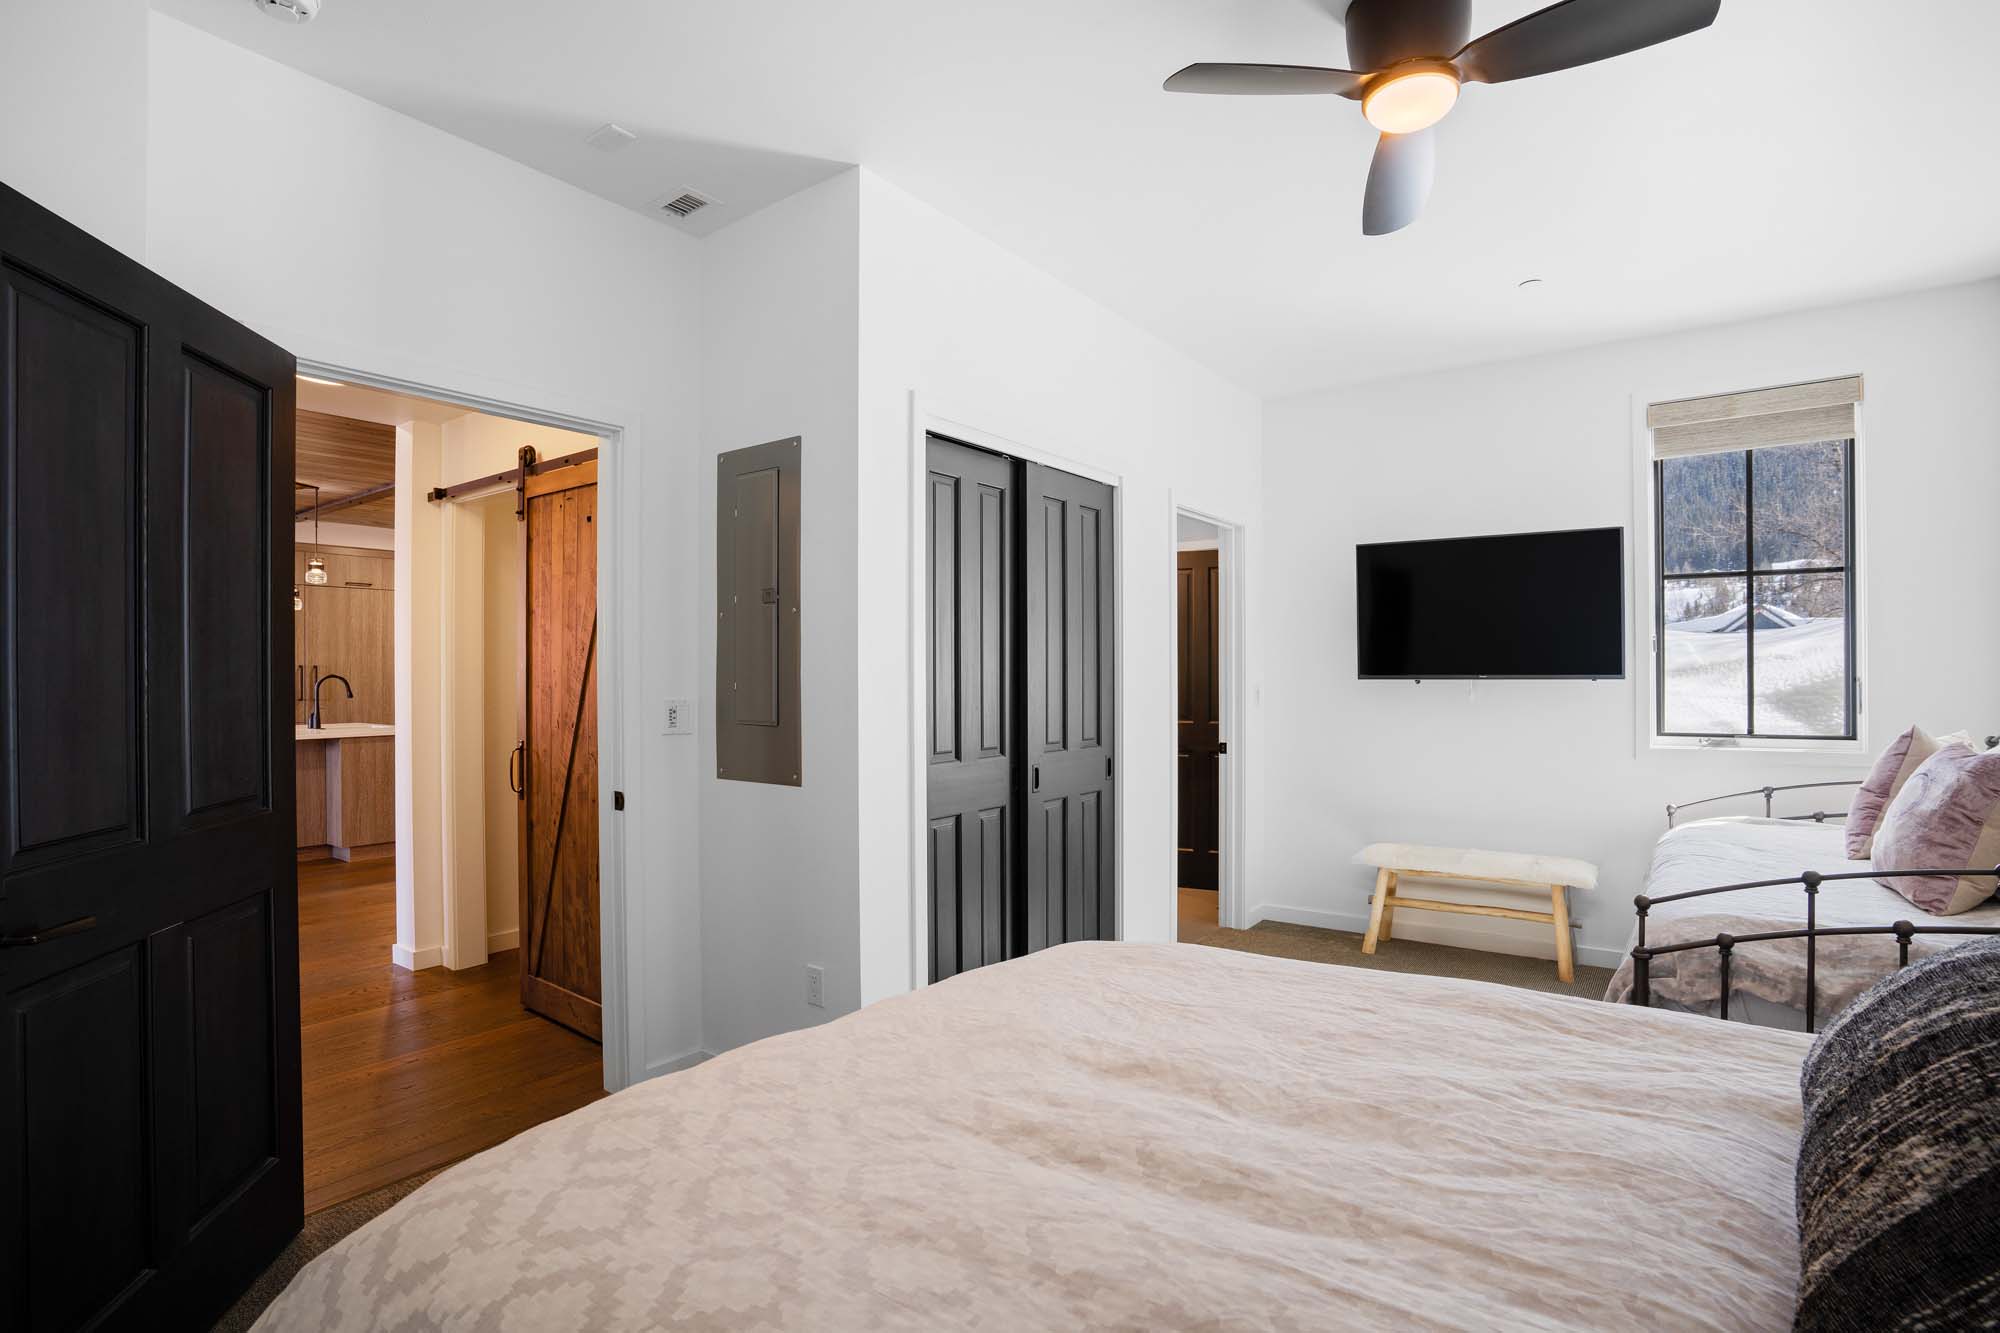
[
  {"x": 1069, "y": 693},
  {"x": 150, "y": 1157},
  {"x": 972, "y": 834}
]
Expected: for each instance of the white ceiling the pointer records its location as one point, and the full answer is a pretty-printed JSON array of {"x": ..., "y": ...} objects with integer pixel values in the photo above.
[{"x": 1799, "y": 153}]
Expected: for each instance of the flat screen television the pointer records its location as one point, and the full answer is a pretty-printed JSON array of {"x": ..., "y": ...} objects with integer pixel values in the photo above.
[{"x": 1521, "y": 606}]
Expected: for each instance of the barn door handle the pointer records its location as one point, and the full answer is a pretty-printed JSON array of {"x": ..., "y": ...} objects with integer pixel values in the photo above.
[
  {"x": 1222, "y": 747},
  {"x": 514, "y": 774},
  {"x": 300, "y": 697},
  {"x": 25, "y": 938},
  {"x": 1035, "y": 778}
]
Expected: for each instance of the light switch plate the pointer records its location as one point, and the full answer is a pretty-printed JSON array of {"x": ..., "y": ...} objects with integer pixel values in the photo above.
[{"x": 679, "y": 718}]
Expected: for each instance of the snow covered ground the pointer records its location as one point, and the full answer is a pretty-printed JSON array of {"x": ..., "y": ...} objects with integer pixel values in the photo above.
[{"x": 1801, "y": 680}]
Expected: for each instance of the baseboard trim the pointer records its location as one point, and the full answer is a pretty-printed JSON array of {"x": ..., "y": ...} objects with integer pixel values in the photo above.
[
  {"x": 502, "y": 940},
  {"x": 416, "y": 960},
  {"x": 673, "y": 1064},
  {"x": 1458, "y": 934}
]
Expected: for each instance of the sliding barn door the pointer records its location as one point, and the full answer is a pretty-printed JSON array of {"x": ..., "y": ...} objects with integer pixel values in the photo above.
[
  {"x": 150, "y": 1159},
  {"x": 1199, "y": 734},
  {"x": 1069, "y": 688},
  {"x": 972, "y": 858},
  {"x": 560, "y": 974}
]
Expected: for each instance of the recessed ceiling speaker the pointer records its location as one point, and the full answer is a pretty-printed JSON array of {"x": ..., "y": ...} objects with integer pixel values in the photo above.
[
  {"x": 290, "y": 11},
  {"x": 1412, "y": 57}
]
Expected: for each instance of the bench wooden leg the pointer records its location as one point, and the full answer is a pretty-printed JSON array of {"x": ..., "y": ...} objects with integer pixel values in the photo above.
[
  {"x": 1383, "y": 879},
  {"x": 1389, "y": 909},
  {"x": 1565, "y": 960}
]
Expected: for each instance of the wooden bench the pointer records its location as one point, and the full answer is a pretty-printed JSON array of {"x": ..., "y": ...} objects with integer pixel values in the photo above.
[{"x": 1395, "y": 862}]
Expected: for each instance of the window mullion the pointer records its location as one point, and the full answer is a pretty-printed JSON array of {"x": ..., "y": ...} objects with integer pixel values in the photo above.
[{"x": 1750, "y": 591}]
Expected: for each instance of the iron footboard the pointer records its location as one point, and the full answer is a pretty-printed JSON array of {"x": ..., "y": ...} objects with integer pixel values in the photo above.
[{"x": 1811, "y": 880}]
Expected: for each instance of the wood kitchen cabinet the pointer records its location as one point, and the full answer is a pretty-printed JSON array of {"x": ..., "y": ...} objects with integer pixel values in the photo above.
[{"x": 348, "y": 629}]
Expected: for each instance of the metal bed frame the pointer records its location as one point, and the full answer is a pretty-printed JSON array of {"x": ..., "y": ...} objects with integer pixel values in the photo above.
[{"x": 1810, "y": 880}]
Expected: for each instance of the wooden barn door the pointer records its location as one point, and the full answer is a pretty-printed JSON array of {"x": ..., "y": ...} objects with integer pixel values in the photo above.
[
  {"x": 1200, "y": 736},
  {"x": 150, "y": 1145},
  {"x": 560, "y": 973}
]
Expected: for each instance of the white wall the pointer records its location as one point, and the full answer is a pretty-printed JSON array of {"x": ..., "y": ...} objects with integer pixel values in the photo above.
[
  {"x": 358, "y": 237},
  {"x": 73, "y": 131},
  {"x": 505, "y": 649},
  {"x": 1548, "y": 443},
  {"x": 984, "y": 339},
  {"x": 779, "y": 869}
]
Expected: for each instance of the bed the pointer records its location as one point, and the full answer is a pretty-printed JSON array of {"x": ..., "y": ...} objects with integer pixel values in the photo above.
[
  {"x": 1768, "y": 978},
  {"x": 1134, "y": 1136}
]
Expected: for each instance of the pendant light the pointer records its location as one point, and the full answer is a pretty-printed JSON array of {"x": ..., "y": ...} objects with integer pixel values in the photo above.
[
  {"x": 316, "y": 567},
  {"x": 298, "y": 599}
]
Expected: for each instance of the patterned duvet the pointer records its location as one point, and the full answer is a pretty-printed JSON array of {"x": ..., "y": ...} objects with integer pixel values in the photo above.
[
  {"x": 1730, "y": 851},
  {"x": 1133, "y": 1136}
]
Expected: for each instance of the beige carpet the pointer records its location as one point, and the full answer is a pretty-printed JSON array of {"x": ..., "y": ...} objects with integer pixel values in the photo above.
[
  {"x": 1281, "y": 940},
  {"x": 323, "y": 1230}
]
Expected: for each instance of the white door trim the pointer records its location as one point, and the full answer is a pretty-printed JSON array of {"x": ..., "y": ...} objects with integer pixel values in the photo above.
[
  {"x": 622, "y": 959},
  {"x": 1231, "y": 908},
  {"x": 926, "y": 421}
]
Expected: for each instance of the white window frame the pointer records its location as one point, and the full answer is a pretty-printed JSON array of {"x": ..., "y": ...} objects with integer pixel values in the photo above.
[{"x": 1645, "y": 588}]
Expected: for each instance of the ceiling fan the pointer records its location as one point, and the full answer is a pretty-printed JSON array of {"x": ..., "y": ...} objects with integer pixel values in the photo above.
[{"x": 1414, "y": 57}]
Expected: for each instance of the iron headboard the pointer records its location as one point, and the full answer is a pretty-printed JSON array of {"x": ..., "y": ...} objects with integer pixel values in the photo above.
[{"x": 1817, "y": 816}]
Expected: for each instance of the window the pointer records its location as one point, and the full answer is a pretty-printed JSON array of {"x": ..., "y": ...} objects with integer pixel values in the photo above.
[{"x": 1754, "y": 627}]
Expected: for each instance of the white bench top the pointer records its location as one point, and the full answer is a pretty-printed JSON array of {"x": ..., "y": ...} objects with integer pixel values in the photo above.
[{"x": 1446, "y": 862}]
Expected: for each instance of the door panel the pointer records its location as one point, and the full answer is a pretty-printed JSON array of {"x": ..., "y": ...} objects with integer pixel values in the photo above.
[
  {"x": 149, "y": 1097},
  {"x": 227, "y": 720},
  {"x": 74, "y": 453},
  {"x": 971, "y": 778},
  {"x": 1071, "y": 633},
  {"x": 1198, "y": 729},
  {"x": 561, "y": 976}
]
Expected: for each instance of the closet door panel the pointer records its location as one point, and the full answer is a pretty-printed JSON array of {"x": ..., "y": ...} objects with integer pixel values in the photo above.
[
  {"x": 971, "y": 778},
  {"x": 1071, "y": 706}
]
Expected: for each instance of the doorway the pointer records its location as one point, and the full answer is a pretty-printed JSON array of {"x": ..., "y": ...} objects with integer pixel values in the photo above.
[
  {"x": 419, "y": 957},
  {"x": 1021, "y": 617},
  {"x": 1206, "y": 723}
]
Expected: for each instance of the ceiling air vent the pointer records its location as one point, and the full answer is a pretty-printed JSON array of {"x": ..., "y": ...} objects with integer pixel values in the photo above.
[{"x": 685, "y": 203}]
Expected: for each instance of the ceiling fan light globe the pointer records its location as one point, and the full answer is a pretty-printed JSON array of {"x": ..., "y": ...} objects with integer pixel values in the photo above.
[{"x": 1406, "y": 103}]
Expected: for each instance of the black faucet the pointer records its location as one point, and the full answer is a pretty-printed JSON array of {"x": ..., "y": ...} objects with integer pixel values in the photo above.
[{"x": 312, "y": 721}]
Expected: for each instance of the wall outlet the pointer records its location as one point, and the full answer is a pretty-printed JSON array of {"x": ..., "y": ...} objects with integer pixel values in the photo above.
[
  {"x": 815, "y": 985},
  {"x": 679, "y": 718}
]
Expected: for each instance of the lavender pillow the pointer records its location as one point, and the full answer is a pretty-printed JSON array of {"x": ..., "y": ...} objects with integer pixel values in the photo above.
[
  {"x": 1903, "y": 757},
  {"x": 1947, "y": 815}
]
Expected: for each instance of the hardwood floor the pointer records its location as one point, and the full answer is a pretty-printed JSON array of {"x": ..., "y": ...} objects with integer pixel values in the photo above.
[{"x": 405, "y": 1071}]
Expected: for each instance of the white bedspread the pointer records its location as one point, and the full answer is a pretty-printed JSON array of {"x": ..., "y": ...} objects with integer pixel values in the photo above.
[
  {"x": 1710, "y": 852},
  {"x": 1140, "y": 1137}
]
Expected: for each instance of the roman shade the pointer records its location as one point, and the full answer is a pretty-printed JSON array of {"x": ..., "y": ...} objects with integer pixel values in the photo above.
[{"x": 1758, "y": 419}]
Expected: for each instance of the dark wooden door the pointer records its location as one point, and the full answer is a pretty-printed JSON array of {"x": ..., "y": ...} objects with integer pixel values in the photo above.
[
  {"x": 561, "y": 977},
  {"x": 1069, "y": 698},
  {"x": 973, "y": 642},
  {"x": 1200, "y": 733},
  {"x": 150, "y": 1159}
]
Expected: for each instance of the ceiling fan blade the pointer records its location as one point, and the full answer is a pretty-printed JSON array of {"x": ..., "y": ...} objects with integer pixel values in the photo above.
[
  {"x": 1579, "y": 32},
  {"x": 1399, "y": 181},
  {"x": 1266, "y": 80}
]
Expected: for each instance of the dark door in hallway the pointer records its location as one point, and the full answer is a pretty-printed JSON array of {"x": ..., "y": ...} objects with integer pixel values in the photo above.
[
  {"x": 150, "y": 1158},
  {"x": 1195, "y": 581},
  {"x": 561, "y": 976}
]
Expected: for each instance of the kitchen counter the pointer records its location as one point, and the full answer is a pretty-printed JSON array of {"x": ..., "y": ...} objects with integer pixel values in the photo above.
[
  {"x": 335, "y": 731},
  {"x": 346, "y": 788}
]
